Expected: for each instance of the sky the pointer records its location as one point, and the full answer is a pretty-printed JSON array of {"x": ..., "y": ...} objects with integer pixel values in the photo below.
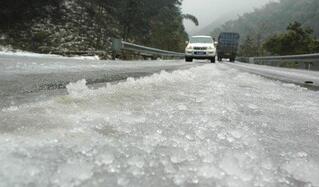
[{"x": 209, "y": 10}]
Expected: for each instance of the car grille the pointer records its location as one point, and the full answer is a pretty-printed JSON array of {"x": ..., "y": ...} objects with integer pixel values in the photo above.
[{"x": 200, "y": 48}]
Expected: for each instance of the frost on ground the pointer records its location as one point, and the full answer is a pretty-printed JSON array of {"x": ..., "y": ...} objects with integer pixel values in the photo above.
[
  {"x": 8, "y": 51},
  {"x": 206, "y": 126}
]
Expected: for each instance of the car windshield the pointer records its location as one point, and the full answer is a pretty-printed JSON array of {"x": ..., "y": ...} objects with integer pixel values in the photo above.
[{"x": 201, "y": 40}]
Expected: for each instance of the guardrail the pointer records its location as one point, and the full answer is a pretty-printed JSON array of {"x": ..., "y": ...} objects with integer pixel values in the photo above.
[
  {"x": 307, "y": 61},
  {"x": 118, "y": 46}
]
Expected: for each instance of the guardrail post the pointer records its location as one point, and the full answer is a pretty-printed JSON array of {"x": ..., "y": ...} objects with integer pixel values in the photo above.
[
  {"x": 251, "y": 60},
  {"x": 308, "y": 65},
  {"x": 117, "y": 45}
]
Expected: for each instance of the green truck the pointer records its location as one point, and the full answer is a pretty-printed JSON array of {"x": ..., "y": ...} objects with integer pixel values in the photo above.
[{"x": 227, "y": 46}]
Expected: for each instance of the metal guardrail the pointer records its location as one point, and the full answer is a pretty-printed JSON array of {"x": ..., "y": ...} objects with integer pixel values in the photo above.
[
  {"x": 119, "y": 46},
  {"x": 306, "y": 61}
]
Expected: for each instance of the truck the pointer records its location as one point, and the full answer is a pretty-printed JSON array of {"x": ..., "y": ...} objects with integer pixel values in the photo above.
[{"x": 227, "y": 46}]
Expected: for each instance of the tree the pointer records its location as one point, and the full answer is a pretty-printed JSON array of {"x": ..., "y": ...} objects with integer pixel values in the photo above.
[
  {"x": 297, "y": 40},
  {"x": 168, "y": 32},
  {"x": 84, "y": 25},
  {"x": 191, "y": 18},
  {"x": 249, "y": 48}
]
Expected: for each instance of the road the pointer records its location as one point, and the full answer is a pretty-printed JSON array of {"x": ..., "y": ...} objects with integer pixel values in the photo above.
[
  {"x": 207, "y": 125},
  {"x": 309, "y": 79},
  {"x": 24, "y": 77}
]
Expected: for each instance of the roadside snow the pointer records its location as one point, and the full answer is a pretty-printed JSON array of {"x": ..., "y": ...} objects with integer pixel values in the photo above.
[
  {"x": 10, "y": 52},
  {"x": 86, "y": 57}
]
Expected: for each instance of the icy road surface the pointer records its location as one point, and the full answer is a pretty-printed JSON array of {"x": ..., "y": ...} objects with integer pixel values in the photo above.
[
  {"x": 207, "y": 126},
  {"x": 24, "y": 75},
  {"x": 305, "y": 78}
]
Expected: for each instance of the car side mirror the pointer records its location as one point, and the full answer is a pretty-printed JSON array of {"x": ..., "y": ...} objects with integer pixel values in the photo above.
[{"x": 186, "y": 42}]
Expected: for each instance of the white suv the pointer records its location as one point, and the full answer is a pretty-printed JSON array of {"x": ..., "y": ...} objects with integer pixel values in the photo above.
[{"x": 200, "y": 47}]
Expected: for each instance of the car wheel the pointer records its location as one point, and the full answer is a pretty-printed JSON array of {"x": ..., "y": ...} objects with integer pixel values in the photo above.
[
  {"x": 213, "y": 60},
  {"x": 188, "y": 59}
]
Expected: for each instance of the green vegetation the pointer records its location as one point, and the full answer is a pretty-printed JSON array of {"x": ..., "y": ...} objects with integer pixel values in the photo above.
[
  {"x": 248, "y": 48},
  {"x": 296, "y": 40},
  {"x": 256, "y": 27},
  {"x": 77, "y": 25}
]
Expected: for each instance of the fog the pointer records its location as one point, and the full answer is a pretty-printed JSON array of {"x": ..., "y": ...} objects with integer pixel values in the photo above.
[{"x": 208, "y": 11}]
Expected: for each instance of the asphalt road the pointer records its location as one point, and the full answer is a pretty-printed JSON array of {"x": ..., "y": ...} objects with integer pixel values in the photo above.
[
  {"x": 24, "y": 78},
  {"x": 305, "y": 78},
  {"x": 28, "y": 78}
]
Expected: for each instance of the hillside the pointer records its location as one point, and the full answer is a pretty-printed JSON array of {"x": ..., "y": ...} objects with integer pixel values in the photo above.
[
  {"x": 274, "y": 18},
  {"x": 71, "y": 25}
]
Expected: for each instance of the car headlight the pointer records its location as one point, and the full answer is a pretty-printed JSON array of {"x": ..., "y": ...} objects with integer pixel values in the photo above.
[
  {"x": 210, "y": 48},
  {"x": 189, "y": 47}
]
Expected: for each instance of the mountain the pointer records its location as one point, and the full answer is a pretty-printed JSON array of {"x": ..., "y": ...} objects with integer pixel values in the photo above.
[
  {"x": 210, "y": 11},
  {"x": 274, "y": 18}
]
